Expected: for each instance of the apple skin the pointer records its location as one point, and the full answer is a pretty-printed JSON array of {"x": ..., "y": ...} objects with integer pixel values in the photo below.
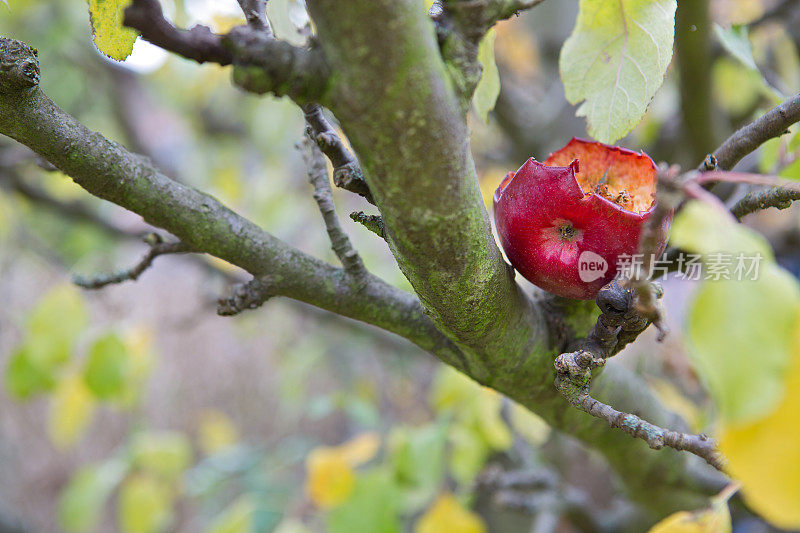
[{"x": 546, "y": 222}]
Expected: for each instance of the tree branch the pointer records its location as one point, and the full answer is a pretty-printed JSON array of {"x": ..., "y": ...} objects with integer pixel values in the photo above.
[
  {"x": 198, "y": 44},
  {"x": 747, "y": 139},
  {"x": 261, "y": 63},
  {"x": 619, "y": 313},
  {"x": 342, "y": 247},
  {"x": 106, "y": 170},
  {"x": 157, "y": 247}
]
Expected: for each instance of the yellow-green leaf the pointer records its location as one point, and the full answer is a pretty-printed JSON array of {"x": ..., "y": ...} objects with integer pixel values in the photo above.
[
  {"x": 615, "y": 60},
  {"x": 71, "y": 410},
  {"x": 108, "y": 366},
  {"x": 488, "y": 88},
  {"x": 110, "y": 36},
  {"x": 163, "y": 453},
  {"x": 145, "y": 505}
]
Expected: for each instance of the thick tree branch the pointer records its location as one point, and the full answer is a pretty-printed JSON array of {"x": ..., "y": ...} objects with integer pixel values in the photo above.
[
  {"x": 106, "y": 170},
  {"x": 403, "y": 117},
  {"x": 157, "y": 247}
]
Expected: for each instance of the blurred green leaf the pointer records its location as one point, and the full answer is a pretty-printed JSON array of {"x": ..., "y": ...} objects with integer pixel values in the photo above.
[
  {"x": 163, "y": 453},
  {"x": 55, "y": 324},
  {"x": 372, "y": 506},
  {"x": 107, "y": 366},
  {"x": 615, "y": 61},
  {"x": 145, "y": 505},
  {"x": 82, "y": 501},
  {"x": 736, "y": 41},
  {"x": 24, "y": 378},
  {"x": 236, "y": 518},
  {"x": 726, "y": 322},
  {"x": 110, "y": 36},
  {"x": 488, "y": 88},
  {"x": 418, "y": 458}
]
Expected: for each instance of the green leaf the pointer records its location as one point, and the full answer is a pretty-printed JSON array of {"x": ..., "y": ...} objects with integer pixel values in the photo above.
[
  {"x": 418, "y": 458},
  {"x": 24, "y": 377},
  {"x": 488, "y": 88},
  {"x": 371, "y": 507},
  {"x": 163, "y": 453},
  {"x": 615, "y": 60},
  {"x": 737, "y": 42},
  {"x": 107, "y": 366},
  {"x": 700, "y": 228},
  {"x": 741, "y": 335},
  {"x": 82, "y": 501},
  {"x": 145, "y": 505},
  {"x": 110, "y": 36}
]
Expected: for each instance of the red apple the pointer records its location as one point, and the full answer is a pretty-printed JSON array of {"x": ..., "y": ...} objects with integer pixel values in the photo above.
[{"x": 565, "y": 223}]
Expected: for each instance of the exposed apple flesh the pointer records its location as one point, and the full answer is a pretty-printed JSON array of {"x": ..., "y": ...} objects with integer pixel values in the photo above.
[{"x": 565, "y": 223}]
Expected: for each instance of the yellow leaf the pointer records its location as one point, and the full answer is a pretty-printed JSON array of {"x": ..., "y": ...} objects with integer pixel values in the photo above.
[
  {"x": 217, "y": 431},
  {"x": 330, "y": 478},
  {"x": 110, "y": 36},
  {"x": 145, "y": 505},
  {"x": 765, "y": 457},
  {"x": 360, "y": 449},
  {"x": 447, "y": 515},
  {"x": 716, "y": 519},
  {"x": 71, "y": 410}
]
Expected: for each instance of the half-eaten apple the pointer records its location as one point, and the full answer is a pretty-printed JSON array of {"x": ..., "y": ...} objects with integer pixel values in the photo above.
[{"x": 564, "y": 224}]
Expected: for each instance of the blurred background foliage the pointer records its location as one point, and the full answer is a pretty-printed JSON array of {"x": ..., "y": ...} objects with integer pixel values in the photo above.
[{"x": 137, "y": 409}]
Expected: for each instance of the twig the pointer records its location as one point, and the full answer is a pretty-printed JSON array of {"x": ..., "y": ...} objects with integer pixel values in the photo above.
[
  {"x": 157, "y": 247},
  {"x": 772, "y": 124},
  {"x": 340, "y": 242},
  {"x": 619, "y": 320},
  {"x": 250, "y": 295},
  {"x": 347, "y": 172},
  {"x": 255, "y": 12},
  {"x": 374, "y": 223}
]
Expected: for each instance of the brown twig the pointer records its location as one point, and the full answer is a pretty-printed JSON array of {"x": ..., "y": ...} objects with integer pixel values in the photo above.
[
  {"x": 347, "y": 172},
  {"x": 772, "y": 124},
  {"x": 157, "y": 247},
  {"x": 255, "y": 12},
  {"x": 340, "y": 242}
]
